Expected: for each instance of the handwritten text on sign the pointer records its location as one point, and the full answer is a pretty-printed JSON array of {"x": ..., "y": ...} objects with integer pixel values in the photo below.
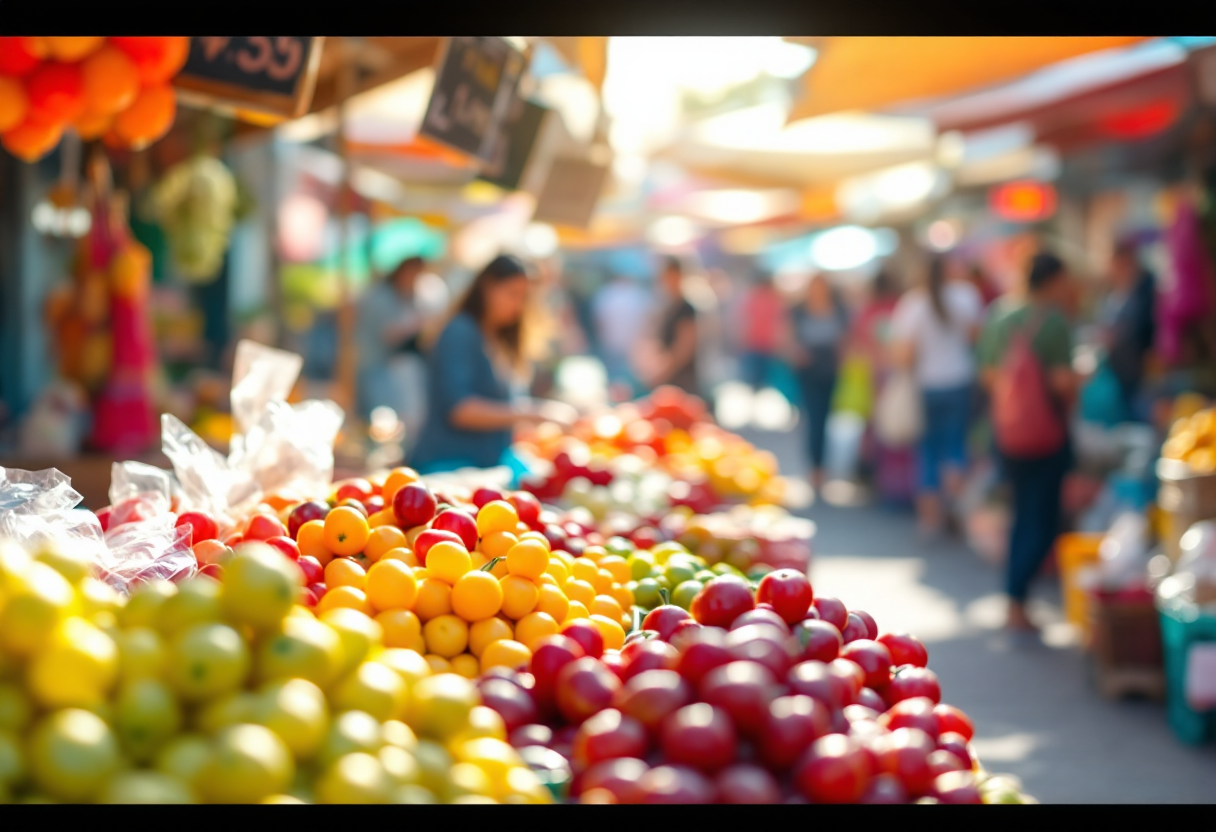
[{"x": 266, "y": 64}]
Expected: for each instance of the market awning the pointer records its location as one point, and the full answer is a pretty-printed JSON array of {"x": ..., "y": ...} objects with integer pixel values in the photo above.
[{"x": 875, "y": 73}]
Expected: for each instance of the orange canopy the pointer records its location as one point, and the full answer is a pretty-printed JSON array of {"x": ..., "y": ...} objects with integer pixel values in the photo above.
[{"x": 873, "y": 73}]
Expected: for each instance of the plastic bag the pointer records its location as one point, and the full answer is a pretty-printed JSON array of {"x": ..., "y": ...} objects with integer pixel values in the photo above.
[
  {"x": 898, "y": 414},
  {"x": 1102, "y": 398},
  {"x": 1123, "y": 552},
  {"x": 39, "y": 508}
]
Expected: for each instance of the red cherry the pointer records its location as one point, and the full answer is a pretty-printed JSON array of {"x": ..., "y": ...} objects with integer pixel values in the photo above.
[
  {"x": 286, "y": 545},
  {"x": 413, "y": 505},
  {"x": 459, "y": 523},
  {"x": 314, "y": 572},
  {"x": 905, "y": 649},
  {"x": 789, "y": 592}
]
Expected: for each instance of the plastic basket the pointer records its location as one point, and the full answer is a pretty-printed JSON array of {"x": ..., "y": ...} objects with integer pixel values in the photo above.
[
  {"x": 1184, "y": 624},
  {"x": 1075, "y": 552}
]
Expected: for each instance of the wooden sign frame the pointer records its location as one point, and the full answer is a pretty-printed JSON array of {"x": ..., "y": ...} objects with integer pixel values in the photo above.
[{"x": 231, "y": 98}]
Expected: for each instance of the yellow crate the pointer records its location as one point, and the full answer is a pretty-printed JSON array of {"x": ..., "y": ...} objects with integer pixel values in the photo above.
[{"x": 1074, "y": 552}]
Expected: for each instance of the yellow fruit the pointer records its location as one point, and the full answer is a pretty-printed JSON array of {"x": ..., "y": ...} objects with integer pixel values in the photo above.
[
  {"x": 434, "y": 762},
  {"x": 558, "y": 570},
  {"x": 402, "y": 629},
  {"x": 434, "y": 599},
  {"x": 611, "y": 630},
  {"x": 391, "y": 585},
  {"x": 14, "y": 560},
  {"x": 438, "y": 664},
  {"x": 197, "y": 602},
  {"x": 466, "y": 665},
  {"x": 397, "y": 733},
  {"x": 12, "y": 762},
  {"x": 507, "y": 653},
  {"x": 15, "y": 708},
  {"x": 303, "y": 648},
  {"x": 355, "y": 778},
  {"x": 447, "y": 561},
  {"x": 483, "y": 722},
  {"x": 350, "y": 732},
  {"x": 441, "y": 705},
  {"x": 476, "y": 595},
  {"x": 496, "y": 545},
  {"x": 282, "y": 799},
  {"x": 374, "y": 689},
  {"x": 466, "y": 780},
  {"x": 97, "y": 597},
  {"x": 184, "y": 757},
  {"x": 224, "y": 712},
  {"x": 146, "y": 717},
  {"x": 519, "y": 596},
  {"x": 38, "y": 601},
  {"x": 579, "y": 590},
  {"x": 207, "y": 661},
  {"x": 606, "y": 606},
  {"x": 260, "y": 586},
  {"x": 574, "y": 610},
  {"x": 358, "y": 633},
  {"x": 533, "y": 627},
  {"x": 345, "y": 597},
  {"x": 493, "y": 756},
  {"x": 528, "y": 559},
  {"x": 72, "y": 753},
  {"x": 496, "y": 516},
  {"x": 400, "y": 765},
  {"x": 488, "y": 630},
  {"x": 248, "y": 764},
  {"x": 297, "y": 712},
  {"x": 522, "y": 783},
  {"x": 78, "y": 666},
  {"x": 447, "y": 635},
  {"x": 408, "y": 664},
  {"x": 148, "y": 788},
  {"x": 552, "y": 601},
  {"x": 141, "y": 607}
]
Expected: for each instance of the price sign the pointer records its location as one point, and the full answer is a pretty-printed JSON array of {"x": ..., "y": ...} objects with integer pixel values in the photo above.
[
  {"x": 274, "y": 75},
  {"x": 476, "y": 79},
  {"x": 514, "y": 144},
  {"x": 571, "y": 191}
]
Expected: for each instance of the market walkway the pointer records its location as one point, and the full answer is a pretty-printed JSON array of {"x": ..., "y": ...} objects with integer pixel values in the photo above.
[{"x": 1036, "y": 714}]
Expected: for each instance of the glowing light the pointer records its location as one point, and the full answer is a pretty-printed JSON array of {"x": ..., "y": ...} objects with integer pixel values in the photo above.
[
  {"x": 302, "y": 221},
  {"x": 844, "y": 248},
  {"x": 672, "y": 232},
  {"x": 942, "y": 235},
  {"x": 741, "y": 206},
  {"x": 540, "y": 239},
  {"x": 1023, "y": 201}
]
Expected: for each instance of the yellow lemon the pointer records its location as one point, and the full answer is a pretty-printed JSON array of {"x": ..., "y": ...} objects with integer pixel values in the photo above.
[
  {"x": 146, "y": 717},
  {"x": 400, "y": 765},
  {"x": 434, "y": 762},
  {"x": 141, "y": 654},
  {"x": 355, "y": 778},
  {"x": 409, "y": 665},
  {"x": 207, "y": 661},
  {"x": 197, "y": 602},
  {"x": 296, "y": 710},
  {"x": 374, "y": 689},
  {"x": 141, "y": 607},
  {"x": 248, "y": 764},
  {"x": 184, "y": 757},
  {"x": 260, "y": 586},
  {"x": 77, "y": 668},
  {"x": 224, "y": 712},
  {"x": 147, "y": 788},
  {"x": 97, "y": 597},
  {"x": 350, "y": 732},
  {"x": 39, "y": 600},
  {"x": 302, "y": 648},
  {"x": 399, "y": 734},
  {"x": 357, "y": 632},
  {"x": 441, "y": 705},
  {"x": 72, "y": 753}
]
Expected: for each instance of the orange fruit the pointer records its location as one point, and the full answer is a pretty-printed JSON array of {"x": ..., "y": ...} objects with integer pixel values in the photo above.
[
  {"x": 311, "y": 540},
  {"x": 391, "y": 585},
  {"x": 603, "y": 581},
  {"x": 595, "y": 553},
  {"x": 527, "y": 559},
  {"x": 384, "y": 517},
  {"x": 381, "y": 539},
  {"x": 447, "y": 561},
  {"x": 618, "y": 567},
  {"x": 401, "y": 629},
  {"x": 566, "y": 558},
  {"x": 345, "y": 572},
  {"x": 623, "y": 596},
  {"x": 476, "y": 595},
  {"x": 554, "y": 602},
  {"x": 584, "y": 570},
  {"x": 488, "y": 630},
  {"x": 611, "y": 630},
  {"x": 497, "y": 544},
  {"x": 606, "y": 606},
  {"x": 558, "y": 569},
  {"x": 344, "y": 596},
  {"x": 402, "y": 554},
  {"x": 496, "y": 516},
  {"x": 576, "y": 609},
  {"x": 580, "y": 591},
  {"x": 538, "y": 537},
  {"x": 446, "y": 635},
  {"x": 434, "y": 599},
  {"x": 346, "y": 531},
  {"x": 505, "y": 653},
  {"x": 519, "y": 596},
  {"x": 438, "y": 664},
  {"x": 533, "y": 627},
  {"x": 466, "y": 666},
  {"x": 547, "y": 579},
  {"x": 395, "y": 480}
]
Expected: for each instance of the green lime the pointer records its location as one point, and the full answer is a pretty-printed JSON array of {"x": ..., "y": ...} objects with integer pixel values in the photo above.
[
  {"x": 685, "y": 592},
  {"x": 619, "y": 546},
  {"x": 641, "y": 564},
  {"x": 662, "y": 581},
  {"x": 705, "y": 575},
  {"x": 723, "y": 569},
  {"x": 646, "y": 595},
  {"x": 679, "y": 572}
]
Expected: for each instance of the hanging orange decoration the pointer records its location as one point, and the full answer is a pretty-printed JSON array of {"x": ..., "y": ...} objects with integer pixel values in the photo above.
[
  {"x": 73, "y": 49},
  {"x": 14, "y": 103},
  {"x": 148, "y": 118},
  {"x": 91, "y": 126},
  {"x": 162, "y": 63},
  {"x": 56, "y": 92},
  {"x": 19, "y": 56},
  {"x": 111, "y": 81},
  {"x": 32, "y": 140}
]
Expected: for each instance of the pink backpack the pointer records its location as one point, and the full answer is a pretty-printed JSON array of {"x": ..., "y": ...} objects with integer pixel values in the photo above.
[{"x": 1025, "y": 418}]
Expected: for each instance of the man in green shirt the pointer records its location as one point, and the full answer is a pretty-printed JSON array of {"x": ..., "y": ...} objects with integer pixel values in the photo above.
[{"x": 1037, "y": 483}]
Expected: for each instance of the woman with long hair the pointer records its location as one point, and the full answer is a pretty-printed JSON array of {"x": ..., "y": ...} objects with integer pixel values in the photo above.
[
  {"x": 817, "y": 333},
  {"x": 477, "y": 370},
  {"x": 933, "y": 330}
]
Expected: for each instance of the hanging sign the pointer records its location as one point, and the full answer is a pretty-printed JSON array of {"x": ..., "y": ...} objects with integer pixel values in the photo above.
[
  {"x": 571, "y": 191},
  {"x": 514, "y": 144},
  {"x": 475, "y": 81},
  {"x": 274, "y": 75}
]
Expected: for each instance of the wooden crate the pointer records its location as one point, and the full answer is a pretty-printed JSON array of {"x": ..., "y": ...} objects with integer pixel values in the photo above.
[{"x": 1125, "y": 644}]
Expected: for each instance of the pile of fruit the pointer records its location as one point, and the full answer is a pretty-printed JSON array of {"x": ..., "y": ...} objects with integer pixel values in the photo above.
[
  {"x": 1192, "y": 440},
  {"x": 670, "y": 431},
  {"x": 769, "y": 695},
  {"x": 469, "y": 586},
  {"x": 228, "y": 692},
  {"x": 115, "y": 89}
]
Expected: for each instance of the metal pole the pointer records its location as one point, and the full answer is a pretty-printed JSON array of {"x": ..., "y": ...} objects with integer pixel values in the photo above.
[{"x": 347, "y": 359}]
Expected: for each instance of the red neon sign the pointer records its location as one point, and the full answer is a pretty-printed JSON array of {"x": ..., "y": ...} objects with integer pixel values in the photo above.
[{"x": 1023, "y": 201}]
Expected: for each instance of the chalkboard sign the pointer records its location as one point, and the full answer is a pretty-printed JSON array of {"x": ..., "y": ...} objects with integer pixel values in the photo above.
[
  {"x": 271, "y": 75},
  {"x": 514, "y": 144},
  {"x": 474, "y": 83}
]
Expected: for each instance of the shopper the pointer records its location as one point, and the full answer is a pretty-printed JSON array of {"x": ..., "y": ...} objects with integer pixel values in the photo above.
[
  {"x": 762, "y": 315},
  {"x": 619, "y": 312},
  {"x": 1037, "y": 481},
  {"x": 817, "y": 338},
  {"x": 477, "y": 370},
  {"x": 677, "y": 342},
  {"x": 390, "y": 321},
  {"x": 933, "y": 330},
  {"x": 1127, "y": 321}
]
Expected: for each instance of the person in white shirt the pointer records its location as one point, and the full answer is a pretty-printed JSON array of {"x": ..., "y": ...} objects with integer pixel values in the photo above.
[{"x": 933, "y": 330}]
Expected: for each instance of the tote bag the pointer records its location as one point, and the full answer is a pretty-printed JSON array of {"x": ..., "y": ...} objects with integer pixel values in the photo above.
[{"x": 899, "y": 418}]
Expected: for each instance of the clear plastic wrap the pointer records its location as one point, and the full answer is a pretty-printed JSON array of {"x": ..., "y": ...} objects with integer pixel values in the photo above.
[
  {"x": 39, "y": 508},
  {"x": 147, "y": 550}
]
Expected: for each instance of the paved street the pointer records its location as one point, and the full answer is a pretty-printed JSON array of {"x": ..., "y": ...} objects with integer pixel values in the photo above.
[{"x": 1037, "y": 715}]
